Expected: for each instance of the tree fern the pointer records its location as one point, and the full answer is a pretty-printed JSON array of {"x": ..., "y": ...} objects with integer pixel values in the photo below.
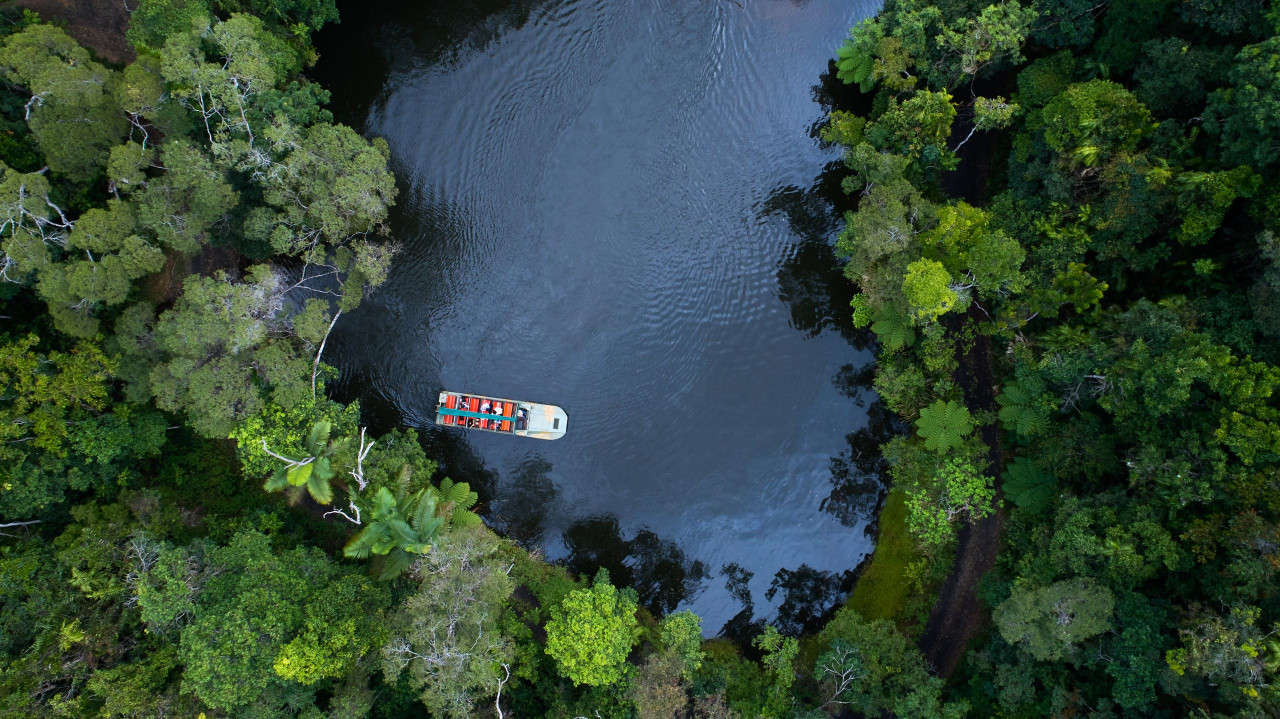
[
  {"x": 892, "y": 329},
  {"x": 1024, "y": 408},
  {"x": 454, "y": 503},
  {"x": 1018, "y": 413},
  {"x": 855, "y": 58},
  {"x": 1028, "y": 486},
  {"x": 944, "y": 425}
]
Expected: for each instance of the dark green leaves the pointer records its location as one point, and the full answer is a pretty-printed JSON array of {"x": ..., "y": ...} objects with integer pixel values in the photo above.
[{"x": 1028, "y": 486}]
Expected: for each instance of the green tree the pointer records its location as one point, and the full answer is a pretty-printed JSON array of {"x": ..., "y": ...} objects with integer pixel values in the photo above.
[
  {"x": 1246, "y": 115},
  {"x": 779, "y": 661},
  {"x": 681, "y": 633},
  {"x": 1093, "y": 121},
  {"x": 928, "y": 288},
  {"x": 181, "y": 206},
  {"x": 916, "y": 128},
  {"x": 958, "y": 490},
  {"x": 153, "y": 21},
  {"x": 974, "y": 44},
  {"x": 1050, "y": 622},
  {"x": 270, "y": 621},
  {"x": 30, "y": 223},
  {"x": 104, "y": 256},
  {"x": 943, "y": 425},
  {"x": 71, "y": 112},
  {"x": 590, "y": 633},
  {"x": 447, "y": 635},
  {"x": 220, "y": 345},
  {"x": 871, "y": 667},
  {"x": 400, "y": 527},
  {"x": 1231, "y": 649}
]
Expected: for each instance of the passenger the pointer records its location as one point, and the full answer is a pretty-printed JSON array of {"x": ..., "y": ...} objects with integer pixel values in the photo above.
[{"x": 484, "y": 407}]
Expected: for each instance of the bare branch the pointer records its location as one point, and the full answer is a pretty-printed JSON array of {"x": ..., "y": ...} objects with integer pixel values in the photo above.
[
  {"x": 315, "y": 366},
  {"x": 497, "y": 701}
]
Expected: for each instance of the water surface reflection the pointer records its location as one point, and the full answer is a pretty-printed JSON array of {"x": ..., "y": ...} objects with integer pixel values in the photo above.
[{"x": 613, "y": 206}]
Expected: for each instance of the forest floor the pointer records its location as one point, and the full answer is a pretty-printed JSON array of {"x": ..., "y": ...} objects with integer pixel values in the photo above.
[
  {"x": 97, "y": 24},
  {"x": 958, "y": 615}
]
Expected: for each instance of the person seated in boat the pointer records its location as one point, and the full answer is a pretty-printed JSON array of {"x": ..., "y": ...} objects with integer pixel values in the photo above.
[
  {"x": 497, "y": 408},
  {"x": 484, "y": 407},
  {"x": 520, "y": 419}
]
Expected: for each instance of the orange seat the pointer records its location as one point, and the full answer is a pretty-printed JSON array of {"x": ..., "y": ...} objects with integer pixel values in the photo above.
[{"x": 451, "y": 402}]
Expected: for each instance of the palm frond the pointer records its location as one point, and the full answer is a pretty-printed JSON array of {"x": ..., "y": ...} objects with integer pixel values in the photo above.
[
  {"x": 394, "y": 564},
  {"x": 360, "y": 546},
  {"x": 319, "y": 489}
]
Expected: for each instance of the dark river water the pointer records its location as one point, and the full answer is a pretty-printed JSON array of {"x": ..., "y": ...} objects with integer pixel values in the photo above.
[{"x": 622, "y": 208}]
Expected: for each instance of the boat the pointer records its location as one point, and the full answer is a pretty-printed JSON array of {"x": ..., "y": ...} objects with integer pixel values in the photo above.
[{"x": 500, "y": 415}]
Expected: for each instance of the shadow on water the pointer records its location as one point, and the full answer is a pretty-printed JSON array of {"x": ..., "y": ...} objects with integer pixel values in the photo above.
[
  {"x": 744, "y": 626},
  {"x": 392, "y": 36},
  {"x": 859, "y": 475},
  {"x": 809, "y": 597},
  {"x": 658, "y": 569},
  {"x": 528, "y": 498}
]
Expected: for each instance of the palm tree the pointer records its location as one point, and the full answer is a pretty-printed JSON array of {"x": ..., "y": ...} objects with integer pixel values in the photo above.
[
  {"x": 398, "y": 528},
  {"x": 312, "y": 470}
]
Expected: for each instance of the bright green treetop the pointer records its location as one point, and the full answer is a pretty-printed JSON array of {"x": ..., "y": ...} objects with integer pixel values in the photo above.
[{"x": 590, "y": 633}]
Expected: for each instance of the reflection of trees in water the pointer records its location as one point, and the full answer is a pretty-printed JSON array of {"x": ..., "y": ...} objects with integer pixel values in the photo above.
[
  {"x": 658, "y": 569},
  {"x": 860, "y": 474},
  {"x": 381, "y": 38},
  {"x": 810, "y": 280},
  {"x": 528, "y": 496},
  {"x": 809, "y": 596},
  {"x": 744, "y": 626}
]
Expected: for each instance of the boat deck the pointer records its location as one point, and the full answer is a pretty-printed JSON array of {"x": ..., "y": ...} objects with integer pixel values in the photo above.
[
  {"x": 503, "y": 416},
  {"x": 479, "y": 413}
]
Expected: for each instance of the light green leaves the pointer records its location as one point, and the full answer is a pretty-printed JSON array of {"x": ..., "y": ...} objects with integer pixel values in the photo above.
[
  {"x": 590, "y": 633},
  {"x": 927, "y": 286},
  {"x": 957, "y": 490}
]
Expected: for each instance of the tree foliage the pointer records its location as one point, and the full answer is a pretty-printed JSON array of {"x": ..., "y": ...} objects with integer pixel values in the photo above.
[{"x": 590, "y": 634}]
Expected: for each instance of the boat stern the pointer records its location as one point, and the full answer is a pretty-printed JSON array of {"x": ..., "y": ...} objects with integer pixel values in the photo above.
[{"x": 546, "y": 421}]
